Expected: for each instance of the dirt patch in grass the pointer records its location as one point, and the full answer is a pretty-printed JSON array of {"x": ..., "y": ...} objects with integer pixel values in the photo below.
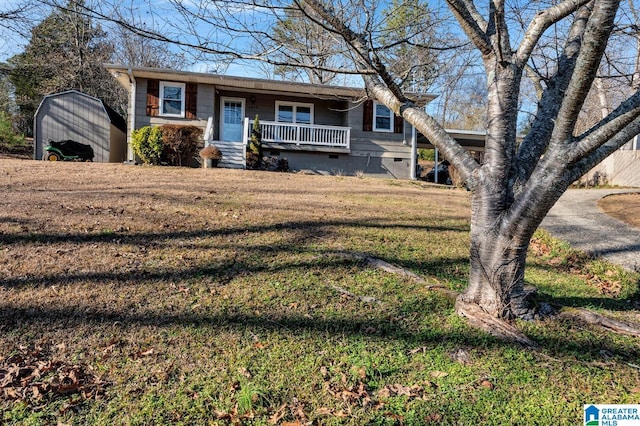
[
  {"x": 624, "y": 207},
  {"x": 190, "y": 296}
]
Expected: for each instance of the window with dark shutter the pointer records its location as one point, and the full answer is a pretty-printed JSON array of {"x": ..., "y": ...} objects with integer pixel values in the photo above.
[
  {"x": 191, "y": 101},
  {"x": 153, "y": 97},
  {"x": 367, "y": 116}
]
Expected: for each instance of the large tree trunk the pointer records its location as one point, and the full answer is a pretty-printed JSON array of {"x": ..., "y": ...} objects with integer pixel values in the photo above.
[{"x": 497, "y": 260}]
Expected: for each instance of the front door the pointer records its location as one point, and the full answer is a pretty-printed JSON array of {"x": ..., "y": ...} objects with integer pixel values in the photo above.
[{"x": 231, "y": 120}]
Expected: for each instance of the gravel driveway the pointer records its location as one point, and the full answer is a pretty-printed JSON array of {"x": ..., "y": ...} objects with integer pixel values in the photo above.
[{"x": 577, "y": 219}]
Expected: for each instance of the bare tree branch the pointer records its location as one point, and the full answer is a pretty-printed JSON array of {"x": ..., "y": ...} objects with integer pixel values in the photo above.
[
  {"x": 594, "y": 42},
  {"x": 605, "y": 130},
  {"x": 542, "y": 21},
  {"x": 537, "y": 140},
  {"x": 471, "y": 23}
]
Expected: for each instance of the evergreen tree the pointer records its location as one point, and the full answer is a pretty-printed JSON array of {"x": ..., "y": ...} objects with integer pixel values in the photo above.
[
  {"x": 301, "y": 41},
  {"x": 406, "y": 36},
  {"x": 66, "y": 51}
]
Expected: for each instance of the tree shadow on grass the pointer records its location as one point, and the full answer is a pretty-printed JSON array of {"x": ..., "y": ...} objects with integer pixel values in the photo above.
[
  {"x": 628, "y": 303},
  {"x": 385, "y": 326},
  {"x": 363, "y": 328},
  {"x": 311, "y": 227}
]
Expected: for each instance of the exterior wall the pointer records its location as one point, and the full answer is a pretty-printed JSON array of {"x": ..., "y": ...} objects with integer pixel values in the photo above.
[
  {"x": 204, "y": 108},
  {"x": 345, "y": 164},
  {"x": 621, "y": 168},
  {"x": 381, "y": 153},
  {"x": 355, "y": 121}
]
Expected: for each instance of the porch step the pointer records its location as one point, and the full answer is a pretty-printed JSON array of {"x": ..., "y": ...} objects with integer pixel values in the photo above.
[{"x": 232, "y": 154}]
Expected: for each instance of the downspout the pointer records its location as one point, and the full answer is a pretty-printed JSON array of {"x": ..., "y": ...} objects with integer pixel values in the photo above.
[{"x": 132, "y": 115}]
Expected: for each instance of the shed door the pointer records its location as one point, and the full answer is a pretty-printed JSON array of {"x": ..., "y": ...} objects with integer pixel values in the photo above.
[{"x": 231, "y": 120}]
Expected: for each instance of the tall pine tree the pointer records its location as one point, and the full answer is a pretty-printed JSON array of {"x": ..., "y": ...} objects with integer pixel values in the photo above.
[{"x": 66, "y": 51}]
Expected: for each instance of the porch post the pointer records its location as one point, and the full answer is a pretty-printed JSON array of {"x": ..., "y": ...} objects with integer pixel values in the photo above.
[
  {"x": 208, "y": 133},
  {"x": 414, "y": 153},
  {"x": 245, "y": 142}
]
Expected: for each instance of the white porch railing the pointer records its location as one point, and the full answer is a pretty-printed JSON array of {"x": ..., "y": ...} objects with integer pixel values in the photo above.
[{"x": 303, "y": 134}]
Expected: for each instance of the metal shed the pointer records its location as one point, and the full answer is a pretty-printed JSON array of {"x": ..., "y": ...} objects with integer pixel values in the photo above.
[{"x": 77, "y": 116}]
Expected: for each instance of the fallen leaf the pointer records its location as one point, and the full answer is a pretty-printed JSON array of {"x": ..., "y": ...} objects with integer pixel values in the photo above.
[
  {"x": 439, "y": 374},
  {"x": 487, "y": 384},
  {"x": 278, "y": 415},
  {"x": 324, "y": 371},
  {"x": 324, "y": 411},
  {"x": 461, "y": 356},
  {"x": 433, "y": 418},
  {"x": 244, "y": 372},
  {"x": 385, "y": 392},
  {"x": 222, "y": 415},
  {"x": 148, "y": 352},
  {"x": 416, "y": 350}
]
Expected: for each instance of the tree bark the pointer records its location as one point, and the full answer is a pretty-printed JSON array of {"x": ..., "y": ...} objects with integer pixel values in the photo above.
[{"x": 497, "y": 263}]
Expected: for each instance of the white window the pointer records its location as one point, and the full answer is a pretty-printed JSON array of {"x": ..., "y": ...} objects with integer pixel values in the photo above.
[
  {"x": 382, "y": 118},
  {"x": 172, "y": 99},
  {"x": 292, "y": 112}
]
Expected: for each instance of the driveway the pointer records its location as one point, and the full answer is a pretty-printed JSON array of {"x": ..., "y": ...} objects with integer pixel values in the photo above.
[{"x": 577, "y": 219}]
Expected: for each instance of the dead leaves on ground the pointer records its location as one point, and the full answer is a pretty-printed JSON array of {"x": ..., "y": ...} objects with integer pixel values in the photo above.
[
  {"x": 357, "y": 395},
  {"x": 576, "y": 264},
  {"x": 33, "y": 377},
  {"x": 349, "y": 392}
]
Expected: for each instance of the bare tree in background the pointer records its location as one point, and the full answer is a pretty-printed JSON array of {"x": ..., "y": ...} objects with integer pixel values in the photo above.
[
  {"x": 15, "y": 18},
  {"x": 518, "y": 183},
  {"x": 134, "y": 50}
]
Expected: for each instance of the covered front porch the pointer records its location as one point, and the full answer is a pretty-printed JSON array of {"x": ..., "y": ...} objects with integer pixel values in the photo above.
[
  {"x": 283, "y": 136},
  {"x": 300, "y": 136}
]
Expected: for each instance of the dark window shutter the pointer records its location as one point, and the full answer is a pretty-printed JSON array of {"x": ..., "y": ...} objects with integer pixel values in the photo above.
[
  {"x": 367, "y": 116},
  {"x": 153, "y": 97},
  {"x": 398, "y": 124},
  {"x": 191, "y": 100}
]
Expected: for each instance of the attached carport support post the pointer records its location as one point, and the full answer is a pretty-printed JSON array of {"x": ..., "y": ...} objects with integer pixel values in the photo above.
[
  {"x": 414, "y": 153},
  {"x": 435, "y": 175}
]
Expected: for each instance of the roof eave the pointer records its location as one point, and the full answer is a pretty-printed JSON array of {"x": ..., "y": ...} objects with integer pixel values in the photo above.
[{"x": 121, "y": 73}]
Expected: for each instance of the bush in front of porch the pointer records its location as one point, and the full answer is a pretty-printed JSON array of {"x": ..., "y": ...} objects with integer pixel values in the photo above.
[{"x": 170, "y": 144}]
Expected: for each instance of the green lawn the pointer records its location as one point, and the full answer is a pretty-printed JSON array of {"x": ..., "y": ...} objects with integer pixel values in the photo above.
[{"x": 148, "y": 295}]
